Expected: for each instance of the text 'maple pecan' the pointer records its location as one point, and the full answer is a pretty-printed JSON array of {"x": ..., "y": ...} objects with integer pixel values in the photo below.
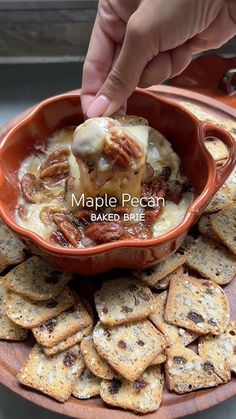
[{"x": 122, "y": 148}]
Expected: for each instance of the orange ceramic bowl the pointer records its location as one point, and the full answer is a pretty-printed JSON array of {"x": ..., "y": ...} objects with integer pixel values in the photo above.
[{"x": 183, "y": 130}]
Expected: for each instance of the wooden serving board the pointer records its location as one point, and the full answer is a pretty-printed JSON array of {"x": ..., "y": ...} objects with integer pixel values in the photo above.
[{"x": 12, "y": 355}]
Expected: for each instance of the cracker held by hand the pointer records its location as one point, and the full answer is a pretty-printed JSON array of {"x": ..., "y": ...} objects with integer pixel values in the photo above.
[
  {"x": 8, "y": 329},
  {"x": 221, "y": 347},
  {"x": 65, "y": 324},
  {"x": 224, "y": 227},
  {"x": 187, "y": 371},
  {"x": 37, "y": 279},
  {"x": 29, "y": 314},
  {"x": 144, "y": 395},
  {"x": 153, "y": 275},
  {"x": 129, "y": 348},
  {"x": 86, "y": 386},
  {"x": 54, "y": 376},
  {"x": 197, "y": 305},
  {"x": 93, "y": 361},
  {"x": 173, "y": 334},
  {"x": 11, "y": 249},
  {"x": 123, "y": 300},
  {"x": 212, "y": 261}
]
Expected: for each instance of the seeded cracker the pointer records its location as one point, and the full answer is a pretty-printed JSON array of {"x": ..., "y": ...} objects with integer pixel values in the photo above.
[
  {"x": 165, "y": 282},
  {"x": 159, "y": 359},
  {"x": 197, "y": 305},
  {"x": 144, "y": 395},
  {"x": 36, "y": 279},
  {"x": 221, "y": 199},
  {"x": 54, "y": 376},
  {"x": 212, "y": 260},
  {"x": 65, "y": 324},
  {"x": 172, "y": 333},
  {"x": 87, "y": 385},
  {"x": 123, "y": 300},
  {"x": 217, "y": 149},
  {"x": 97, "y": 365},
  {"x": 8, "y": 329},
  {"x": 11, "y": 249},
  {"x": 221, "y": 347},
  {"x": 205, "y": 226},
  {"x": 231, "y": 184},
  {"x": 153, "y": 275},
  {"x": 68, "y": 342},
  {"x": 29, "y": 314},
  {"x": 129, "y": 348},
  {"x": 224, "y": 227},
  {"x": 186, "y": 371}
]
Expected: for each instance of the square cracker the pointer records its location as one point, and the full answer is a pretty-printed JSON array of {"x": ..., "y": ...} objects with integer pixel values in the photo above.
[
  {"x": 144, "y": 395},
  {"x": 123, "y": 300},
  {"x": 54, "y": 376},
  {"x": 220, "y": 347},
  {"x": 8, "y": 329},
  {"x": 212, "y": 260},
  {"x": 37, "y": 279},
  {"x": 173, "y": 334},
  {"x": 86, "y": 386},
  {"x": 65, "y": 324},
  {"x": 27, "y": 313},
  {"x": 129, "y": 348},
  {"x": 216, "y": 148},
  {"x": 93, "y": 361},
  {"x": 224, "y": 227},
  {"x": 151, "y": 276},
  {"x": 68, "y": 342},
  {"x": 197, "y": 305},
  {"x": 11, "y": 249},
  {"x": 186, "y": 371},
  {"x": 221, "y": 199},
  {"x": 205, "y": 226}
]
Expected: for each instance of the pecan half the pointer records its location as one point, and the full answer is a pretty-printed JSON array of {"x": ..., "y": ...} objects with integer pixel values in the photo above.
[
  {"x": 56, "y": 164},
  {"x": 155, "y": 189},
  {"x": 104, "y": 232},
  {"x": 136, "y": 231},
  {"x": 122, "y": 148},
  {"x": 47, "y": 214},
  {"x": 32, "y": 188},
  {"x": 71, "y": 233}
]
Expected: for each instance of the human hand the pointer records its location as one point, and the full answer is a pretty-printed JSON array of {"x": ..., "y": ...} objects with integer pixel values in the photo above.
[{"x": 145, "y": 42}]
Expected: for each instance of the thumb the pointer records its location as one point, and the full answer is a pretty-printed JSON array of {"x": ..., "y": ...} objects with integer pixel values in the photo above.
[{"x": 125, "y": 73}]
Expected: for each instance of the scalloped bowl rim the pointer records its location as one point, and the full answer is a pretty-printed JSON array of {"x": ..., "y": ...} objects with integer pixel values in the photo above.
[{"x": 185, "y": 224}]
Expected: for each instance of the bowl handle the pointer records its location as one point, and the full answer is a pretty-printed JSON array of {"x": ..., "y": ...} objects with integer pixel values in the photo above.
[{"x": 223, "y": 172}]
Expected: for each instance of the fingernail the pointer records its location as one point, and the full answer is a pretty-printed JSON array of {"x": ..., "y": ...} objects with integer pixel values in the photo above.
[{"x": 98, "y": 107}]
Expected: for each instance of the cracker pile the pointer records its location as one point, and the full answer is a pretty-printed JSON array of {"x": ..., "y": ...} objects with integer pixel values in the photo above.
[{"x": 146, "y": 322}]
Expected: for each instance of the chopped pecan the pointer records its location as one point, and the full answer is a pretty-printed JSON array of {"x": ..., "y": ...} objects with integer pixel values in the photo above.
[
  {"x": 56, "y": 164},
  {"x": 59, "y": 238},
  {"x": 71, "y": 233},
  {"x": 22, "y": 212},
  {"x": 136, "y": 231},
  {"x": 122, "y": 148},
  {"x": 174, "y": 191},
  {"x": 32, "y": 188},
  {"x": 151, "y": 215},
  {"x": 104, "y": 232},
  {"x": 47, "y": 214},
  {"x": 155, "y": 189}
]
